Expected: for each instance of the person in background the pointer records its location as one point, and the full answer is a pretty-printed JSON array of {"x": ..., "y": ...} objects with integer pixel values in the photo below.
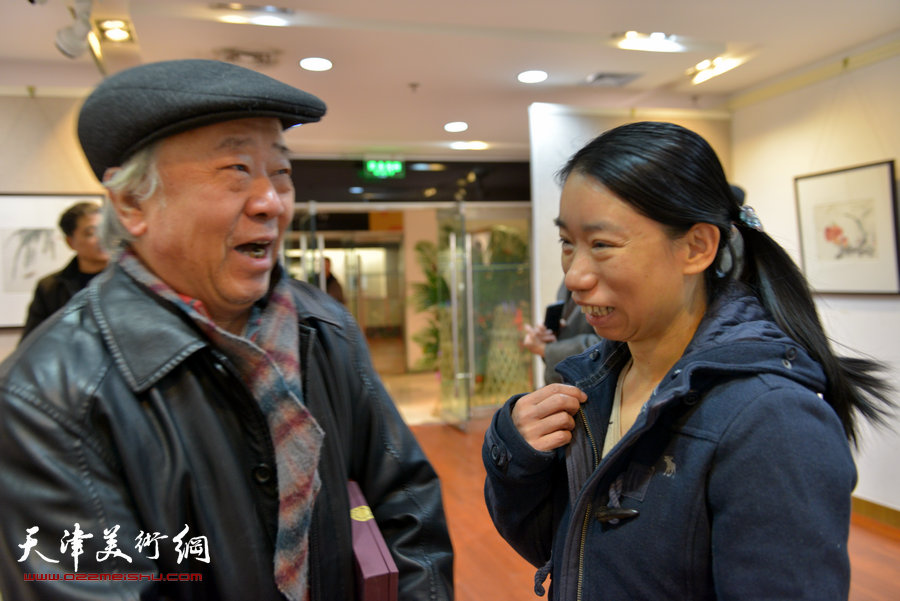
[
  {"x": 188, "y": 428},
  {"x": 575, "y": 336},
  {"x": 703, "y": 449},
  {"x": 79, "y": 224},
  {"x": 332, "y": 285}
]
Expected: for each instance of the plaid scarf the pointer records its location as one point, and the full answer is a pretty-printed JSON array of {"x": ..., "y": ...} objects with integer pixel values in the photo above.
[{"x": 267, "y": 358}]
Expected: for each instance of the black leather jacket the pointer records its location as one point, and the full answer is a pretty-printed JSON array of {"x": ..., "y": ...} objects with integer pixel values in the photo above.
[
  {"x": 52, "y": 292},
  {"x": 117, "y": 412}
]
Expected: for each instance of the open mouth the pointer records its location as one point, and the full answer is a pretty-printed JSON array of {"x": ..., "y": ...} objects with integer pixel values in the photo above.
[
  {"x": 254, "y": 250},
  {"x": 596, "y": 311}
]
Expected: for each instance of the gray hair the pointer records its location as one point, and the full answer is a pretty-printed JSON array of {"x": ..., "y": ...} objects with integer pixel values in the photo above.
[{"x": 138, "y": 179}]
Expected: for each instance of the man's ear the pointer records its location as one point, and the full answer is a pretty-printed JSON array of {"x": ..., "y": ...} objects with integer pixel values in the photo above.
[
  {"x": 128, "y": 210},
  {"x": 702, "y": 244}
]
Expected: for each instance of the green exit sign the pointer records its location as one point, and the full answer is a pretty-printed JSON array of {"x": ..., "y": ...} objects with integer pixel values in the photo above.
[{"x": 384, "y": 169}]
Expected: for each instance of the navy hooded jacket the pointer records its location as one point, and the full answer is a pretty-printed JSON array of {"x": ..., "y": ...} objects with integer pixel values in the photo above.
[{"x": 733, "y": 483}]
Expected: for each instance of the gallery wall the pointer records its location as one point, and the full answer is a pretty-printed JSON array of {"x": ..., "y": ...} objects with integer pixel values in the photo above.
[
  {"x": 846, "y": 117},
  {"x": 39, "y": 154}
]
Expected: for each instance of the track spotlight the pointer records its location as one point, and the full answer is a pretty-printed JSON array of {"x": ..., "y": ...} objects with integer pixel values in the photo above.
[{"x": 72, "y": 40}]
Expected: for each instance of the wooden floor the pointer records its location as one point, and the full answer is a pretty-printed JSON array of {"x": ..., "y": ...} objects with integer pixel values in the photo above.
[{"x": 488, "y": 570}]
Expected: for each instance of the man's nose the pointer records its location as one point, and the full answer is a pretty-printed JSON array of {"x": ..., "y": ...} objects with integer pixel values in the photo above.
[{"x": 265, "y": 199}]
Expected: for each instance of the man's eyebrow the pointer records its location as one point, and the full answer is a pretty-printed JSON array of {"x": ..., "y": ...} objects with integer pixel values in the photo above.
[
  {"x": 232, "y": 143},
  {"x": 239, "y": 142}
]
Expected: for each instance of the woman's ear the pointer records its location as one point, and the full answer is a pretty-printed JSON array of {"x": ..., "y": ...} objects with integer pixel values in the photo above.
[
  {"x": 702, "y": 244},
  {"x": 128, "y": 210}
]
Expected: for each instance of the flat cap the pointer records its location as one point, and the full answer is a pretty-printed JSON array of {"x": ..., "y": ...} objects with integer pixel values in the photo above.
[{"x": 143, "y": 104}]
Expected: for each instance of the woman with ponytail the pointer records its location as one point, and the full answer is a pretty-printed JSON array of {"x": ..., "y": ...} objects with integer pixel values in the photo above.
[{"x": 702, "y": 450}]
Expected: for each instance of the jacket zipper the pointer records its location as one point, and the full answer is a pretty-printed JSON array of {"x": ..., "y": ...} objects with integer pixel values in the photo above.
[
  {"x": 584, "y": 526},
  {"x": 587, "y": 511}
]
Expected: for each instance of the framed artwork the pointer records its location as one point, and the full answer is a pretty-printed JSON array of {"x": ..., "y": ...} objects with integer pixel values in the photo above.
[
  {"x": 848, "y": 229},
  {"x": 31, "y": 246}
]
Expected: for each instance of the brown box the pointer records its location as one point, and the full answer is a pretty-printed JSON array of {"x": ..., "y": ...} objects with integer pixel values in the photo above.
[{"x": 376, "y": 572}]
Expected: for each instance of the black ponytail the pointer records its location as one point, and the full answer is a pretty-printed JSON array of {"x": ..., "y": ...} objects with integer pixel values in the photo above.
[{"x": 852, "y": 384}]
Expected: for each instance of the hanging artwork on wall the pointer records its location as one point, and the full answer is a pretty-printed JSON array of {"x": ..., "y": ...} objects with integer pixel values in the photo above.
[
  {"x": 848, "y": 229},
  {"x": 31, "y": 246}
]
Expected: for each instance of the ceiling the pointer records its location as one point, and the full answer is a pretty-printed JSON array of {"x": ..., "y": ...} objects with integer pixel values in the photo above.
[{"x": 403, "y": 68}]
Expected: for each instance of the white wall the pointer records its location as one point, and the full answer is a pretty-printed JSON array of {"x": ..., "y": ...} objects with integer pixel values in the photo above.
[
  {"x": 838, "y": 122},
  {"x": 39, "y": 150},
  {"x": 9, "y": 338},
  {"x": 39, "y": 154}
]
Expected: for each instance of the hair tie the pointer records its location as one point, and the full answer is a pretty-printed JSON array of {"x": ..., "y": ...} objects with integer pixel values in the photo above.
[
  {"x": 731, "y": 256},
  {"x": 749, "y": 218}
]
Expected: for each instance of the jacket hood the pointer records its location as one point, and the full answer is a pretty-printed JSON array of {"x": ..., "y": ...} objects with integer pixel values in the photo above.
[{"x": 736, "y": 337}]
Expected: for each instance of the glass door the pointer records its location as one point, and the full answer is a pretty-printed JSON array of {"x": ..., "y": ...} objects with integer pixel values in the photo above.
[
  {"x": 474, "y": 299},
  {"x": 500, "y": 301},
  {"x": 484, "y": 260},
  {"x": 456, "y": 339}
]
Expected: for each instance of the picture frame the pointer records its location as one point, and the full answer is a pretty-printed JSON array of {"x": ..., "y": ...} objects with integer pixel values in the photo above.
[
  {"x": 848, "y": 229},
  {"x": 31, "y": 247}
]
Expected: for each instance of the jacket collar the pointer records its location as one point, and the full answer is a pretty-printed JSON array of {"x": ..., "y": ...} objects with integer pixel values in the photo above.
[
  {"x": 313, "y": 304},
  {"x": 146, "y": 335},
  {"x": 71, "y": 269}
]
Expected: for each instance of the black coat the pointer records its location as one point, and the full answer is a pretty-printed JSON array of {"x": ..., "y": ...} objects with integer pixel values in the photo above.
[
  {"x": 52, "y": 292},
  {"x": 120, "y": 413}
]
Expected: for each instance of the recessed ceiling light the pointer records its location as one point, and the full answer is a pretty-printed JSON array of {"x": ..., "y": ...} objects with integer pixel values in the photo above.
[
  {"x": 473, "y": 145},
  {"x": 314, "y": 63},
  {"x": 648, "y": 42},
  {"x": 254, "y": 8},
  {"x": 116, "y": 35},
  {"x": 114, "y": 30},
  {"x": 533, "y": 76},
  {"x": 708, "y": 69},
  {"x": 456, "y": 126},
  {"x": 269, "y": 21},
  {"x": 234, "y": 19},
  {"x": 272, "y": 16}
]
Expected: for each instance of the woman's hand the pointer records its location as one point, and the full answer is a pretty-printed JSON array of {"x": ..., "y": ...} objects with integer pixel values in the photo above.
[{"x": 545, "y": 419}]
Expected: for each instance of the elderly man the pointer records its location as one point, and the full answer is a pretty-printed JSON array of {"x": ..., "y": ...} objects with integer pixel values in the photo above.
[{"x": 187, "y": 428}]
